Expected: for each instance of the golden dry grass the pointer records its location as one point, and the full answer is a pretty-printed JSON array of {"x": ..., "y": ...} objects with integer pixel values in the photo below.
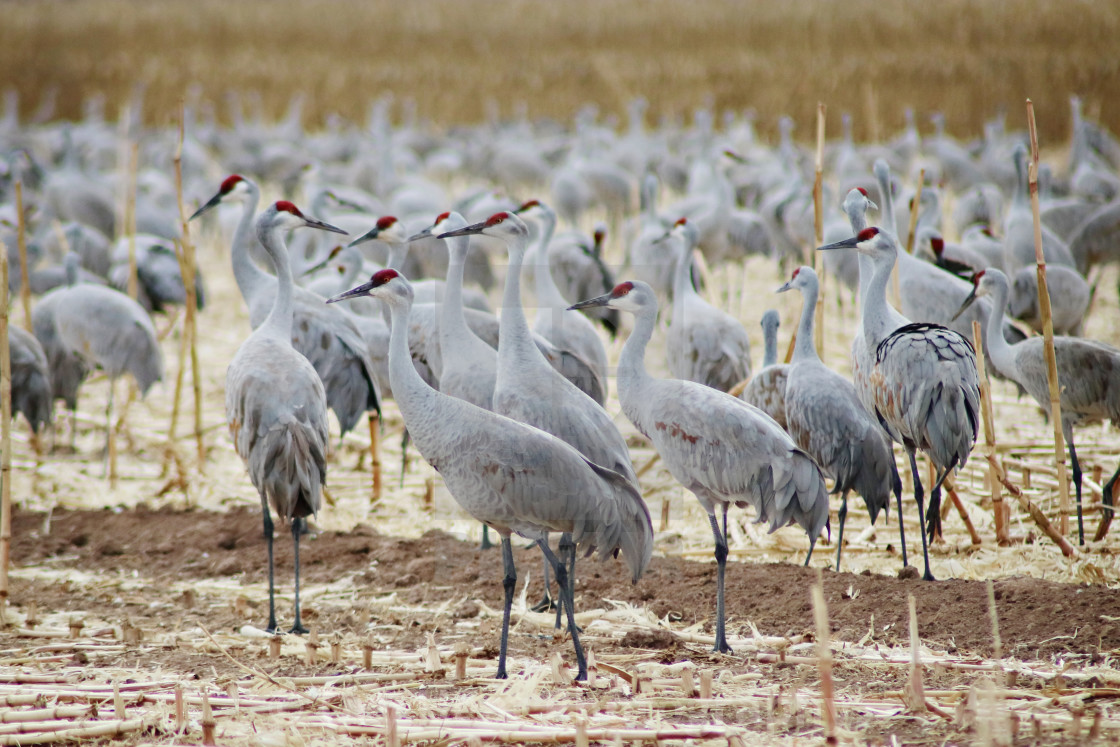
[{"x": 455, "y": 57}]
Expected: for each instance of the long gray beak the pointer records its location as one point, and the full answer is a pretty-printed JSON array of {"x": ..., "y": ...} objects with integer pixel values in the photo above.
[
  {"x": 211, "y": 203},
  {"x": 427, "y": 232},
  {"x": 786, "y": 287},
  {"x": 361, "y": 290},
  {"x": 471, "y": 230},
  {"x": 603, "y": 300},
  {"x": 851, "y": 243},
  {"x": 315, "y": 223},
  {"x": 967, "y": 302},
  {"x": 871, "y": 204},
  {"x": 369, "y": 235}
]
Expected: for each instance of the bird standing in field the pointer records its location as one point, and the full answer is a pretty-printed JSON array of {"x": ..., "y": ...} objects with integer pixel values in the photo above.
[
  {"x": 1088, "y": 379},
  {"x": 276, "y": 405},
  {"x": 767, "y": 389},
  {"x": 922, "y": 383},
  {"x": 719, "y": 447},
  {"x": 511, "y": 476},
  {"x": 826, "y": 419}
]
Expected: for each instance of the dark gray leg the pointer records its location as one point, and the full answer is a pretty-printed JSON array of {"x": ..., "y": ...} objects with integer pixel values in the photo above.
[
  {"x": 1107, "y": 509},
  {"x": 840, "y": 536},
  {"x": 509, "y": 581},
  {"x": 721, "y": 565},
  {"x": 569, "y": 607},
  {"x": 546, "y": 598},
  {"x": 486, "y": 543},
  {"x": 1077, "y": 486},
  {"x": 928, "y": 576},
  {"x": 896, "y": 485},
  {"x": 567, "y": 552},
  {"x": 297, "y": 528},
  {"x": 271, "y": 585}
]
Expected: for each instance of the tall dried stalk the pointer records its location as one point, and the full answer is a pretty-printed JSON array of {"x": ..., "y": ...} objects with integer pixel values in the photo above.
[
  {"x": 1000, "y": 509},
  {"x": 818, "y": 232},
  {"x": 5, "y": 436},
  {"x": 21, "y": 239},
  {"x": 824, "y": 658},
  {"x": 1048, "y": 337}
]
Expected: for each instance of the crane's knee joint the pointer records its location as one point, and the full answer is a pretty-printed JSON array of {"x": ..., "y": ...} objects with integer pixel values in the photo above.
[{"x": 721, "y": 552}]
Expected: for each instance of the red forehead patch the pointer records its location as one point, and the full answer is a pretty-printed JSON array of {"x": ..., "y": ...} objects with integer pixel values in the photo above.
[
  {"x": 442, "y": 217},
  {"x": 862, "y": 191},
  {"x": 283, "y": 206},
  {"x": 977, "y": 276},
  {"x": 230, "y": 182},
  {"x": 868, "y": 233},
  {"x": 680, "y": 222},
  {"x": 497, "y": 218},
  {"x": 796, "y": 271},
  {"x": 529, "y": 204},
  {"x": 622, "y": 289},
  {"x": 937, "y": 244},
  {"x": 385, "y": 221},
  {"x": 383, "y": 276}
]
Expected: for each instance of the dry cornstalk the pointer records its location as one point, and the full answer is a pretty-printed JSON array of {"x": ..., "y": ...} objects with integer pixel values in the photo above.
[
  {"x": 391, "y": 737},
  {"x": 1034, "y": 511},
  {"x": 24, "y": 271},
  {"x": 208, "y": 722},
  {"x": 818, "y": 231},
  {"x": 375, "y": 456},
  {"x": 914, "y": 209},
  {"x": 997, "y": 645},
  {"x": 1048, "y": 338},
  {"x": 5, "y": 437},
  {"x": 914, "y": 694},
  {"x": 65, "y": 731},
  {"x": 824, "y": 656},
  {"x": 1000, "y": 509},
  {"x": 664, "y": 515}
]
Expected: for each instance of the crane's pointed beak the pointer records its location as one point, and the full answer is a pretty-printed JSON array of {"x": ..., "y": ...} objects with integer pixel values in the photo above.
[
  {"x": 369, "y": 235},
  {"x": 967, "y": 302},
  {"x": 788, "y": 286},
  {"x": 426, "y": 233},
  {"x": 851, "y": 243},
  {"x": 871, "y": 204},
  {"x": 471, "y": 230},
  {"x": 603, "y": 300},
  {"x": 211, "y": 203},
  {"x": 322, "y": 226},
  {"x": 362, "y": 290}
]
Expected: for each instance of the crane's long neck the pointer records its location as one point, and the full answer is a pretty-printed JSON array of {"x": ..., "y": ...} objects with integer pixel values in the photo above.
[
  {"x": 515, "y": 341},
  {"x": 876, "y": 316},
  {"x": 279, "y": 320},
  {"x": 632, "y": 374},
  {"x": 1019, "y": 196},
  {"x": 770, "y": 345},
  {"x": 251, "y": 279},
  {"x": 1001, "y": 353},
  {"x": 682, "y": 279},
  {"x": 417, "y": 401},
  {"x": 452, "y": 324},
  {"x": 803, "y": 349},
  {"x": 549, "y": 297},
  {"x": 886, "y": 199},
  {"x": 857, "y": 218}
]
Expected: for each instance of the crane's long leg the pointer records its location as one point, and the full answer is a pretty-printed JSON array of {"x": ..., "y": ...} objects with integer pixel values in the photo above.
[
  {"x": 405, "y": 438},
  {"x": 486, "y": 544},
  {"x": 271, "y": 587},
  {"x": 567, "y": 552},
  {"x": 297, "y": 527},
  {"x": 569, "y": 606},
  {"x": 546, "y": 599},
  {"x": 1107, "y": 510},
  {"x": 509, "y": 581},
  {"x": 1077, "y": 486},
  {"x": 896, "y": 485},
  {"x": 840, "y": 536},
  {"x": 721, "y": 565},
  {"x": 928, "y": 576}
]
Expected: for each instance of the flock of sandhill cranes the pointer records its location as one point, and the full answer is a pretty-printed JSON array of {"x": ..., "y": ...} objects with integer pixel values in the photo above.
[{"x": 512, "y": 414}]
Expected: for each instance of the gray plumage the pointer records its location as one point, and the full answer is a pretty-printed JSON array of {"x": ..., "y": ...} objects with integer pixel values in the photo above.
[
  {"x": 1088, "y": 378},
  {"x": 158, "y": 276},
  {"x": 276, "y": 406},
  {"x": 826, "y": 419},
  {"x": 31, "y": 378},
  {"x": 1069, "y": 298},
  {"x": 705, "y": 344},
  {"x": 579, "y": 271},
  {"x": 767, "y": 388},
  {"x": 513, "y": 477},
  {"x": 1018, "y": 227},
  {"x": 327, "y": 337},
  {"x": 1096, "y": 240},
  {"x": 921, "y": 383},
  {"x": 719, "y": 447}
]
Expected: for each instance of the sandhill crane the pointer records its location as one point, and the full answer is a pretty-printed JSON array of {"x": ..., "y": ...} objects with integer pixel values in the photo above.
[
  {"x": 1087, "y": 382},
  {"x": 1069, "y": 298},
  {"x": 327, "y": 337},
  {"x": 767, "y": 389},
  {"x": 845, "y": 265},
  {"x": 921, "y": 383},
  {"x": 31, "y": 378},
  {"x": 1018, "y": 227},
  {"x": 567, "y": 330},
  {"x": 579, "y": 270},
  {"x": 159, "y": 279},
  {"x": 276, "y": 406},
  {"x": 705, "y": 344},
  {"x": 719, "y": 447},
  {"x": 527, "y": 388},
  {"x": 828, "y": 421},
  {"x": 511, "y": 476}
]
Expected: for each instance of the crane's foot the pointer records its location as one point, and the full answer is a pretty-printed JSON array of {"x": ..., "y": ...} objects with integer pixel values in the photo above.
[
  {"x": 721, "y": 647},
  {"x": 927, "y": 576},
  {"x": 501, "y": 675},
  {"x": 545, "y": 605},
  {"x": 298, "y": 629}
]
